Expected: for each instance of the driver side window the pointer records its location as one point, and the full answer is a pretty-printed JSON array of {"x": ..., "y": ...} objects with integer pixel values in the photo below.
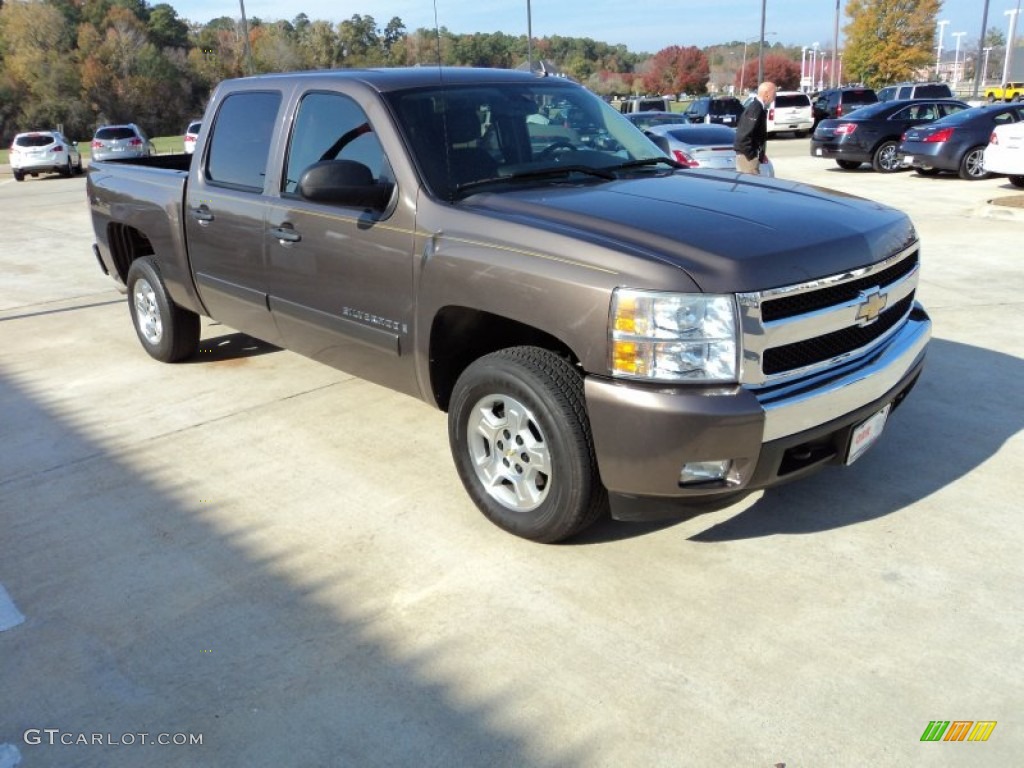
[{"x": 330, "y": 126}]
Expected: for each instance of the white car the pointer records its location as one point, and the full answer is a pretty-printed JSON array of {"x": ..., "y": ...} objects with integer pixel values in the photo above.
[
  {"x": 38, "y": 152},
  {"x": 1005, "y": 152},
  {"x": 191, "y": 134},
  {"x": 791, "y": 112}
]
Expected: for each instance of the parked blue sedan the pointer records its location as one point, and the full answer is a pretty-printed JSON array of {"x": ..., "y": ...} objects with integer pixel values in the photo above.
[{"x": 956, "y": 143}]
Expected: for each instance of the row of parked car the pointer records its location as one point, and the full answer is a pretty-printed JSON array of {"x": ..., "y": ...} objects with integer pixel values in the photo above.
[
  {"x": 929, "y": 135},
  {"x": 36, "y": 152}
]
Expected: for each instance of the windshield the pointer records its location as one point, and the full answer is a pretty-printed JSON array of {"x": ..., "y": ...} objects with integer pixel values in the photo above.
[{"x": 514, "y": 130}]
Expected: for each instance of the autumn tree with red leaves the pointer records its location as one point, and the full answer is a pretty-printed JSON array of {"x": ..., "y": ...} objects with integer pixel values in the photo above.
[
  {"x": 676, "y": 69},
  {"x": 782, "y": 71}
]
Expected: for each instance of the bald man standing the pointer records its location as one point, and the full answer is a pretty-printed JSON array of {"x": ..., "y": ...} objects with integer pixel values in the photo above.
[{"x": 752, "y": 132}]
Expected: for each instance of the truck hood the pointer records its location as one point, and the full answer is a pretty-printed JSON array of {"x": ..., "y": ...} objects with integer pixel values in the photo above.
[{"x": 730, "y": 232}]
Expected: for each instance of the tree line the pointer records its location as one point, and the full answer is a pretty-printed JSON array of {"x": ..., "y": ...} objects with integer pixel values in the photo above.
[{"x": 83, "y": 63}]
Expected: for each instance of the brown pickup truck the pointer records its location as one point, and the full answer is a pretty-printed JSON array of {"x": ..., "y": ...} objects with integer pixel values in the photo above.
[{"x": 605, "y": 329}]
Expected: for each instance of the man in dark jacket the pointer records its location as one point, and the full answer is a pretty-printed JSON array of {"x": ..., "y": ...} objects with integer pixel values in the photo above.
[{"x": 752, "y": 132}]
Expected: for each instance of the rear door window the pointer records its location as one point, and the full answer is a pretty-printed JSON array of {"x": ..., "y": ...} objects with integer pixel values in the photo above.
[
  {"x": 240, "y": 146},
  {"x": 792, "y": 100}
]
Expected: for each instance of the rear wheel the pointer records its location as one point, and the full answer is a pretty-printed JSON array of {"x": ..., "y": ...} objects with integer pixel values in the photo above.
[
  {"x": 848, "y": 165},
  {"x": 1017, "y": 181},
  {"x": 167, "y": 332},
  {"x": 972, "y": 165},
  {"x": 885, "y": 159},
  {"x": 19, "y": 176},
  {"x": 522, "y": 444}
]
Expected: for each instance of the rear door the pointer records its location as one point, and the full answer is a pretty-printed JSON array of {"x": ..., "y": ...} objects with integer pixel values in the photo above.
[{"x": 224, "y": 212}]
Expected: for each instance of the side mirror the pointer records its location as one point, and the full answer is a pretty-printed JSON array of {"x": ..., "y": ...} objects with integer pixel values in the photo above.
[{"x": 343, "y": 182}]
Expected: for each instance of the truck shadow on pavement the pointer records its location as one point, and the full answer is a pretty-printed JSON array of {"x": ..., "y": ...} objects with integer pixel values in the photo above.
[
  {"x": 148, "y": 613},
  {"x": 230, "y": 346},
  {"x": 959, "y": 416},
  {"x": 946, "y": 428}
]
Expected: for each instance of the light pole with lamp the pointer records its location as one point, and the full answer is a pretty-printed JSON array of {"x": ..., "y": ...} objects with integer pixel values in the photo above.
[
  {"x": 956, "y": 58},
  {"x": 1009, "y": 43},
  {"x": 938, "y": 50},
  {"x": 743, "y": 68},
  {"x": 984, "y": 72}
]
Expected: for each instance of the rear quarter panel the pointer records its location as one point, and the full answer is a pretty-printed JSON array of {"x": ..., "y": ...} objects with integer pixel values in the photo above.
[{"x": 148, "y": 199}]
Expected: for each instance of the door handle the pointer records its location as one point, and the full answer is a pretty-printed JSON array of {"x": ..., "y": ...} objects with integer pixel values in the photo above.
[
  {"x": 286, "y": 234},
  {"x": 202, "y": 215}
]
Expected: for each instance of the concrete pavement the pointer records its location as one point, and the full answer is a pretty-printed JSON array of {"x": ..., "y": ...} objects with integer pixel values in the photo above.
[{"x": 279, "y": 559}]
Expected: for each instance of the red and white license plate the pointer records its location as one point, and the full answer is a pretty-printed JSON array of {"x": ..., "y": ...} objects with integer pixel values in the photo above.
[{"x": 865, "y": 434}]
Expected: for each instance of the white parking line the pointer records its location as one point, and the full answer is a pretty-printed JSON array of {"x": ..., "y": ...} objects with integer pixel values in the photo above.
[{"x": 10, "y": 616}]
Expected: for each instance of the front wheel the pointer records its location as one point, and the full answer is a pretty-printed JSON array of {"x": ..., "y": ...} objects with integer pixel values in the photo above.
[
  {"x": 167, "y": 332},
  {"x": 972, "y": 166},
  {"x": 848, "y": 165},
  {"x": 522, "y": 444},
  {"x": 1017, "y": 181},
  {"x": 886, "y": 159}
]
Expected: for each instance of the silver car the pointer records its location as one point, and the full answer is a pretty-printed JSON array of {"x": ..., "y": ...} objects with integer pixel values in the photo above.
[
  {"x": 114, "y": 141},
  {"x": 38, "y": 152},
  {"x": 700, "y": 146}
]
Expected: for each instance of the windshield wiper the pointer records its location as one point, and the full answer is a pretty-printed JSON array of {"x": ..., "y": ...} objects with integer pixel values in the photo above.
[
  {"x": 543, "y": 173},
  {"x": 650, "y": 161}
]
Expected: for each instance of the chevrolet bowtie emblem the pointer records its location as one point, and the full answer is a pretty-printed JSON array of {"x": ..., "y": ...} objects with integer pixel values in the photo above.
[{"x": 871, "y": 307}]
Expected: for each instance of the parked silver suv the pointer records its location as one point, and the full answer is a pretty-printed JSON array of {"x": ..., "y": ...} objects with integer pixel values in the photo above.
[
  {"x": 113, "y": 141},
  {"x": 38, "y": 152}
]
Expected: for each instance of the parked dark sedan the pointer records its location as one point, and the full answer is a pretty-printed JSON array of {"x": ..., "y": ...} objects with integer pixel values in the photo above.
[
  {"x": 956, "y": 143},
  {"x": 872, "y": 133},
  {"x": 645, "y": 120}
]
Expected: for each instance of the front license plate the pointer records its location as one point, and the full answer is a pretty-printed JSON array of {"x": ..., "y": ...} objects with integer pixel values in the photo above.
[
  {"x": 819, "y": 152},
  {"x": 865, "y": 434}
]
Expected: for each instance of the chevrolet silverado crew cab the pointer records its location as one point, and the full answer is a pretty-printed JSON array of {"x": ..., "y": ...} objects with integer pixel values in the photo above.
[{"x": 605, "y": 329}]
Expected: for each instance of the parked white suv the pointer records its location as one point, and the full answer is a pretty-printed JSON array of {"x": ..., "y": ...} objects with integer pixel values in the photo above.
[
  {"x": 38, "y": 152},
  {"x": 791, "y": 111}
]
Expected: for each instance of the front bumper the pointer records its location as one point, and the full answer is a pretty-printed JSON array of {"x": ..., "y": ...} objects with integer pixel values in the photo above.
[{"x": 643, "y": 436}]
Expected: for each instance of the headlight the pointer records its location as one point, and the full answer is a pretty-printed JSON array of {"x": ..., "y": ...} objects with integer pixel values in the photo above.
[{"x": 673, "y": 336}]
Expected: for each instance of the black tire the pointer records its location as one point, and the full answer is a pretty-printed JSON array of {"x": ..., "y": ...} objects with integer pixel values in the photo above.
[
  {"x": 78, "y": 167},
  {"x": 67, "y": 169},
  {"x": 1017, "y": 181},
  {"x": 19, "y": 176},
  {"x": 972, "y": 167},
  {"x": 923, "y": 171},
  {"x": 991, "y": 98},
  {"x": 885, "y": 158},
  {"x": 167, "y": 332},
  {"x": 521, "y": 440},
  {"x": 848, "y": 165}
]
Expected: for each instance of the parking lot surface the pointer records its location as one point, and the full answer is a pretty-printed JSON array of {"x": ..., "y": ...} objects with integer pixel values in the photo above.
[{"x": 278, "y": 558}]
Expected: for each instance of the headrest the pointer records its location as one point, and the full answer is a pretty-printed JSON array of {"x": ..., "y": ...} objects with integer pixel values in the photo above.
[{"x": 463, "y": 125}]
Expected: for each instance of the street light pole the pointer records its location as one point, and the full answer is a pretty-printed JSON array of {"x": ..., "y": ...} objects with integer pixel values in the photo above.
[
  {"x": 529, "y": 37},
  {"x": 938, "y": 50},
  {"x": 1009, "y": 43},
  {"x": 956, "y": 58},
  {"x": 760, "y": 46},
  {"x": 981, "y": 43}
]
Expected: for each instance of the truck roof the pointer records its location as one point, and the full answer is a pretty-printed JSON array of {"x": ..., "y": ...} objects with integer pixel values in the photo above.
[{"x": 398, "y": 78}]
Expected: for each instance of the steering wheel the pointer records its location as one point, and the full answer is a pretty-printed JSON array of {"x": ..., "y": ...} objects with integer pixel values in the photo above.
[{"x": 555, "y": 146}]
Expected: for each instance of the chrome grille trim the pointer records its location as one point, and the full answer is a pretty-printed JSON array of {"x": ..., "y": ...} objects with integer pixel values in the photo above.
[{"x": 760, "y": 335}]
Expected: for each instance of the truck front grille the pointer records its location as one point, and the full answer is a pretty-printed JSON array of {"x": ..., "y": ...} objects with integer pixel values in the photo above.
[{"x": 801, "y": 329}]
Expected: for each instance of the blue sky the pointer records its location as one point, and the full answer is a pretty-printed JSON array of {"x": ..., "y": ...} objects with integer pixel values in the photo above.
[{"x": 642, "y": 25}]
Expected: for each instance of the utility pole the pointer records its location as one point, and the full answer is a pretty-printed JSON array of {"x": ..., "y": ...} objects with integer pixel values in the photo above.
[
  {"x": 938, "y": 50},
  {"x": 981, "y": 74},
  {"x": 832, "y": 82},
  {"x": 956, "y": 58},
  {"x": 1009, "y": 43}
]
